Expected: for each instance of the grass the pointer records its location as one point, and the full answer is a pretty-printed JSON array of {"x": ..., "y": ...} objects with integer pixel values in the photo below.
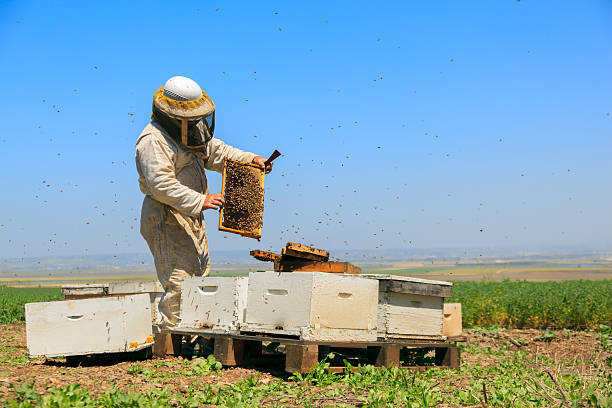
[
  {"x": 521, "y": 304},
  {"x": 12, "y": 301}
]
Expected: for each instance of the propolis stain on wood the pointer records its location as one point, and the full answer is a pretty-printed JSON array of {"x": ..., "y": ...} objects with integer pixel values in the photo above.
[{"x": 243, "y": 189}]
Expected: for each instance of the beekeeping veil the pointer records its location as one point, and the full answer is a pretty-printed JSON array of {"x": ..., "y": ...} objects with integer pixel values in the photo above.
[{"x": 179, "y": 106}]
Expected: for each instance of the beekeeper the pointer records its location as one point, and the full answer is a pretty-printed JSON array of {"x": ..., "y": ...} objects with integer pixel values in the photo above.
[{"x": 172, "y": 153}]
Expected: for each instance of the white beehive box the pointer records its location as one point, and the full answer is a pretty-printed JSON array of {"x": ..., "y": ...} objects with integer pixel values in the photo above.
[
  {"x": 88, "y": 326},
  {"x": 312, "y": 305},
  {"x": 93, "y": 290},
  {"x": 410, "y": 307},
  {"x": 214, "y": 303}
]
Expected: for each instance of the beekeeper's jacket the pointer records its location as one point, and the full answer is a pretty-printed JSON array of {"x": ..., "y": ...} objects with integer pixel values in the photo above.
[{"x": 173, "y": 180}]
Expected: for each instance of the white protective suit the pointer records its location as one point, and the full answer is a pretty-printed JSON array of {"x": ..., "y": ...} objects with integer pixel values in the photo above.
[{"x": 173, "y": 180}]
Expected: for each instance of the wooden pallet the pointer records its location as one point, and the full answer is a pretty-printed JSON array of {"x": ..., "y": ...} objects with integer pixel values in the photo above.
[{"x": 238, "y": 349}]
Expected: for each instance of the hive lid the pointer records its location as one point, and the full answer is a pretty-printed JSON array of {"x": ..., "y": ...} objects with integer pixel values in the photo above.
[
  {"x": 410, "y": 285},
  {"x": 112, "y": 288},
  {"x": 380, "y": 276}
]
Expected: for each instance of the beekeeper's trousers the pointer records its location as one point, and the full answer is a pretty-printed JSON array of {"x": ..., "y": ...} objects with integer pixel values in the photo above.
[{"x": 180, "y": 250}]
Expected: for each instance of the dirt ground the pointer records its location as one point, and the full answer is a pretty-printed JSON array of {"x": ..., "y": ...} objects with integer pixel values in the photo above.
[{"x": 16, "y": 368}]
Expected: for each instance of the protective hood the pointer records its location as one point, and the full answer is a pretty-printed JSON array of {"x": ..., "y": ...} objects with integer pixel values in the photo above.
[
  {"x": 189, "y": 122},
  {"x": 199, "y": 132}
]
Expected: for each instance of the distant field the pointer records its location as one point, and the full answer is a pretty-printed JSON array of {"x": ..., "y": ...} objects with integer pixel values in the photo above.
[
  {"x": 544, "y": 272},
  {"x": 406, "y": 271},
  {"x": 535, "y": 274},
  {"x": 56, "y": 281},
  {"x": 487, "y": 269}
]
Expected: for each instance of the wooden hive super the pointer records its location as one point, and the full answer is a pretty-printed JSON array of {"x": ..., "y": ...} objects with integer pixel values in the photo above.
[
  {"x": 410, "y": 308},
  {"x": 88, "y": 326},
  {"x": 312, "y": 306},
  {"x": 243, "y": 189},
  {"x": 215, "y": 303},
  {"x": 95, "y": 290}
]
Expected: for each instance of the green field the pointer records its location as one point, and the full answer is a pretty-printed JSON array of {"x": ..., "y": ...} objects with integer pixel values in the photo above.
[
  {"x": 13, "y": 299},
  {"x": 520, "y": 304}
]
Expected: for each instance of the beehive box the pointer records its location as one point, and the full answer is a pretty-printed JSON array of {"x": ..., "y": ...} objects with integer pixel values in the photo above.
[
  {"x": 243, "y": 190},
  {"x": 312, "y": 305},
  {"x": 93, "y": 290},
  {"x": 410, "y": 307},
  {"x": 88, "y": 326},
  {"x": 214, "y": 303},
  {"x": 452, "y": 324}
]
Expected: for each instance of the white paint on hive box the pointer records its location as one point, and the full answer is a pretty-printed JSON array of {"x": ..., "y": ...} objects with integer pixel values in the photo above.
[
  {"x": 112, "y": 288},
  {"x": 88, "y": 326},
  {"x": 93, "y": 290},
  {"x": 409, "y": 315},
  {"x": 312, "y": 305},
  {"x": 215, "y": 303}
]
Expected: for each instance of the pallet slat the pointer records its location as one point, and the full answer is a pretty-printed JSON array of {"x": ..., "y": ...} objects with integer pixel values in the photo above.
[
  {"x": 167, "y": 344},
  {"x": 385, "y": 356},
  {"x": 404, "y": 342},
  {"x": 301, "y": 358}
]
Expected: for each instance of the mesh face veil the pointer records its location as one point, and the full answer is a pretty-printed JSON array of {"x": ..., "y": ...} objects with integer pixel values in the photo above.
[
  {"x": 199, "y": 132},
  {"x": 185, "y": 112},
  {"x": 209, "y": 122}
]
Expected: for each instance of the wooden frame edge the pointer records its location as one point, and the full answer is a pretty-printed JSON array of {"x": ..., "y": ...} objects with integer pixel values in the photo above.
[{"x": 232, "y": 230}]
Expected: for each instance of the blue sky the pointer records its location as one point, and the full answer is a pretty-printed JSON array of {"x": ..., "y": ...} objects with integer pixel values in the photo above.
[{"x": 402, "y": 124}]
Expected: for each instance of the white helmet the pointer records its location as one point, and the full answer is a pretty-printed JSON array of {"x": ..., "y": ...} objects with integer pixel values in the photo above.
[
  {"x": 182, "y": 98},
  {"x": 181, "y": 88}
]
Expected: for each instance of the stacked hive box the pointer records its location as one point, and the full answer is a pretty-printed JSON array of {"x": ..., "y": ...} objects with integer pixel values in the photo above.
[
  {"x": 410, "y": 308},
  {"x": 214, "y": 303},
  {"x": 452, "y": 324},
  {"x": 88, "y": 326},
  {"x": 95, "y": 290},
  {"x": 312, "y": 306}
]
